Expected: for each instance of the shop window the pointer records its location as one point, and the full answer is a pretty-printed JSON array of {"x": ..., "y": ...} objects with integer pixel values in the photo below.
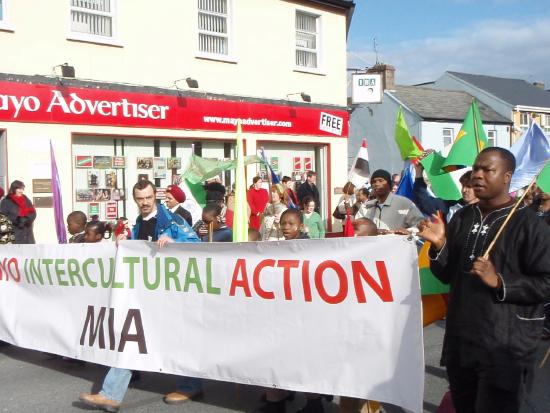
[
  {"x": 4, "y": 17},
  {"x": 447, "y": 136},
  {"x": 524, "y": 121},
  {"x": 93, "y": 18},
  {"x": 214, "y": 25},
  {"x": 546, "y": 124},
  {"x": 307, "y": 40},
  {"x": 492, "y": 138}
]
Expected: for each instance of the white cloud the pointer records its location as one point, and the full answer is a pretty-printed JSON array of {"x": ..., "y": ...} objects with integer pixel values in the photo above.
[{"x": 497, "y": 47}]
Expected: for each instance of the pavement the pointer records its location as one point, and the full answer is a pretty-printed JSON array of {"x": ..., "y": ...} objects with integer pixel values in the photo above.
[{"x": 32, "y": 381}]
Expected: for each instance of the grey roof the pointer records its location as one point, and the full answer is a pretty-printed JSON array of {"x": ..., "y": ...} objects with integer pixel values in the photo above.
[
  {"x": 443, "y": 105},
  {"x": 341, "y": 3},
  {"x": 516, "y": 92}
]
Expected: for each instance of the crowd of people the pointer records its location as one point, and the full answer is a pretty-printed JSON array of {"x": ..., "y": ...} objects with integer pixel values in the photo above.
[{"x": 496, "y": 300}]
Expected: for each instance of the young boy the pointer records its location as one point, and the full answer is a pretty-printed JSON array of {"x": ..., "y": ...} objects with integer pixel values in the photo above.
[
  {"x": 292, "y": 224},
  {"x": 211, "y": 215},
  {"x": 76, "y": 223}
]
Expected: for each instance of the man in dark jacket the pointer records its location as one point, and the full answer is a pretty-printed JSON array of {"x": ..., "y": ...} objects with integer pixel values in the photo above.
[
  {"x": 495, "y": 310},
  {"x": 309, "y": 188}
]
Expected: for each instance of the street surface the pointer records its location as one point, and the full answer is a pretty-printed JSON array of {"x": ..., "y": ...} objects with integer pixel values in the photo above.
[{"x": 33, "y": 382}]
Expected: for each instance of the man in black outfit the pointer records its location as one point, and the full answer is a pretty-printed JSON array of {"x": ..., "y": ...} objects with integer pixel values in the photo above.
[
  {"x": 309, "y": 188},
  {"x": 495, "y": 312}
]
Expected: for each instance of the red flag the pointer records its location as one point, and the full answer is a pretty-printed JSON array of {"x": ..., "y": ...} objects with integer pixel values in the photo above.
[{"x": 348, "y": 226}]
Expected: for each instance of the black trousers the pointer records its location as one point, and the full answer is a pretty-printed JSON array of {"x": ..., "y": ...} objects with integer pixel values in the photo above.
[{"x": 487, "y": 389}]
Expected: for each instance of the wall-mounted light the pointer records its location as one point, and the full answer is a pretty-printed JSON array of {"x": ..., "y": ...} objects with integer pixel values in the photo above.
[
  {"x": 305, "y": 97},
  {"x": 66, "y": 70},
  {"x": 191, "y": 83}
]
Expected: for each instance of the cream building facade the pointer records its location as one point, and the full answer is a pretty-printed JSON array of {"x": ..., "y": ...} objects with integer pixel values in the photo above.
[{"x": 253, "y": 60}]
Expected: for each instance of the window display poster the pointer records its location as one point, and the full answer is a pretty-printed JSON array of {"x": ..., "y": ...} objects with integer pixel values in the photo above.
[
  {"x": 143, "y": 177},
  {"x": 110, "y": 179},
  {"x": 161, "y": 194},
  {"x": 101, "y": 195},
  {"x": 307, "y": 163},
  {"x": 102, "y": 162},
  {"x": 174, "y": 163},
  {"x": 118, "y": 194},
  {"x": 145, "y": 163},
  {"x": 93, "y": 209},
  {"x": 119, "y": 162},
  {"x": 84, "y": 161},
  {"x": 159, "y": 168},
  {"x": 111, "y": 210},
  {"x": 93, "y": 178},
  {"x": 84, "y": 195},
  {"x": 274, "y": 162},
  {"x": 297, "y": 163}
]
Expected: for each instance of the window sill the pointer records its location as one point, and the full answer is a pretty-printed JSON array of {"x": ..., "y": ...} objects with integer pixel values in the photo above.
[
  {"x": 310, "y": 71},
  {"x": 102, "y": 41},
  {"x": 216, "y": 58},
  {"x": 6, "y": 27}
]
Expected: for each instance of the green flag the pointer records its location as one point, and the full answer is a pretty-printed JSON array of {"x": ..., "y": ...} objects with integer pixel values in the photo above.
[
  {"x": 471, "y": 140},
  {"x": 240, "y": 217},
  {"x": 405, "y": 143},
  {"x": 543, "y": 181},
  {"x": 443, "y": 185},
  {"x": 200, "y": 169}
]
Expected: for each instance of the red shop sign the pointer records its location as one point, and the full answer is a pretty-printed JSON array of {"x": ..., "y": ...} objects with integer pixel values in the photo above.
[{"x": 42, "y": 103}]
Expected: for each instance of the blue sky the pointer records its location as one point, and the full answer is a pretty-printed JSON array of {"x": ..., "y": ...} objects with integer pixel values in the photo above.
[{"x": 423, "y": 38}]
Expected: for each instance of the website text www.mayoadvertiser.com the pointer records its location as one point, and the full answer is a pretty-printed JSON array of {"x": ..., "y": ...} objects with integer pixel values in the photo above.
[{"x": 248, "y": 121}]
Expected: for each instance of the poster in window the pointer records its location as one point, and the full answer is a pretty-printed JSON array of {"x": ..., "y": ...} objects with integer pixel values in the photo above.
[
  {"x": 93, "y": 178},
  {"x": 84, "y": 161},
  {"x": 307, "y": 163},
  {"x": 143, "y": 177},
  {"x": 84, "y": 195},
  {"x": 110, "y": 179},
  {"x": 102, "y": 194},
  {"x": 161, "y": 194},
  {"x": 119, "y": 162},
  {"x": 93, "y": 209},
  {"x": 145, "y": 163},
  {"x": 118, "y": 194},
  {"x": 297, "y": 161},
  {"x": 159, "y": 168},
  {"x": 102, "y": 162},
  {"x": 111, "y": 210},
  {"x": 174, "y": 163},
  {"x": 274, "y": 162}
]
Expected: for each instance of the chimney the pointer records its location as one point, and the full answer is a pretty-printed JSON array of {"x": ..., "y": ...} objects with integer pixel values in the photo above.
[
  {"x": 387, "y": 73},
  {"x": 540, "y": 85}
]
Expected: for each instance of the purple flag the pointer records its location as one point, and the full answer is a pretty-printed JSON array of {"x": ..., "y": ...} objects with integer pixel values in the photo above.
[{"x": 57, "y": 203}]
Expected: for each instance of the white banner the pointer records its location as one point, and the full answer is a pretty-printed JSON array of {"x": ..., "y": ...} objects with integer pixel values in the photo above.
[{"x": 336, "y": 316}]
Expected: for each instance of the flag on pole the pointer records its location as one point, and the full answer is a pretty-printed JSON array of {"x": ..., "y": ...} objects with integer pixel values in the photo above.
[
  {"x": 407, "y": 147},
  {"x": 57, "y": 201},
  {"x": 532, "y": 151},
  {"x": 274, "y": 177},
  {"x": 471, "y": 140},
  {"x": 360, "y": 172},
  {"x": 200, "y": 170},
  {"x": 543, "y": 181},
  {"x": 406, "y": 184},
  {"x": 240, "y": 217},
  {"x": 443, "y": 185}
]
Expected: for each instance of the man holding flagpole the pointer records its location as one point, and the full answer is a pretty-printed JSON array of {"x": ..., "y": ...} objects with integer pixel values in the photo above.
[{"x": 495, "y": 312}]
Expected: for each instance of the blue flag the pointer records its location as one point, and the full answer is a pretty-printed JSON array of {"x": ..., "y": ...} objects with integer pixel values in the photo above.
[
  {"x": 274, "y": 177},
  {"x": 406, "y": 184},
  {"x": 532, "y": 150}
]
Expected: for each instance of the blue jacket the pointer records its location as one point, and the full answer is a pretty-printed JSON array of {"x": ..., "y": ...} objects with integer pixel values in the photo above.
[{"x": 172, "y": 225}]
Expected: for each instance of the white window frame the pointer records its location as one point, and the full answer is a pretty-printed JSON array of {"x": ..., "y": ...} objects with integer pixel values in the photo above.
[
  {"x": 319, "y": 70},
  {"x": 451, "y": 136},
  {"x": 230, "y": 22},
  {"x": 546, "y": 123},
  {"x": 522, "y": 125},
  {"x": 92, "y": 38},
  {"x": 492, "y": 138},
  {"x": 5, "y": 22}
]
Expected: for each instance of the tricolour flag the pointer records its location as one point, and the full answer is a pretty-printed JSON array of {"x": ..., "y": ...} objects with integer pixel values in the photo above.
[
  {"x": 407, "y": 147},
  {"x": 240, "y": 217},
  {"x": 471, "y": 140},
  {"x": 57, "y": 201},
  {"x": 532, "y": 150},
  {"x": 359, "y": 172}
]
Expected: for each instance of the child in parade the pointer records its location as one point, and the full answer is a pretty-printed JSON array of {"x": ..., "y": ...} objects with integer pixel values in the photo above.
[
  {"x": 97, "y": 231},
  {"x": 313, "y": 223},
  {"x": 76, "y": 224}
]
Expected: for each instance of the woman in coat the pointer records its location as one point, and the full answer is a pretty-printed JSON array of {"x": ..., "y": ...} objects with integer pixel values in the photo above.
[{"x": 19, "y": 209}]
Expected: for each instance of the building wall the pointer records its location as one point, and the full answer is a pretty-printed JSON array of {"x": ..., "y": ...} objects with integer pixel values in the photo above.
[{"x": 157, "y": 45}]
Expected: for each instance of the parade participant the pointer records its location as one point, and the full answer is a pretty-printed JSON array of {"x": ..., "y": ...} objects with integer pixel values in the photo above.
[
  {"x": 289, "y": 184},
  {"x": 155, "y": 223},
  {"x": 390, "y": 212},
  {"x": 20, "y": 211},
  {"x": 364, "y": 227},
  {"x": 175, "y": 197},
  {"x": 362, "y": 200},
  {"x": 313, "y": 223},
  {"x": 76, "y": 224},
  {"x": 97, "y": 231},
  {"x": 346, "y": 203},
  {"x": 257, "y": 198},
  {"x": 396, "y": 180},
  {"x": 270, "y": 228},
  {"x": 429, "y": 205},
  {"x": 495, "y": 312},
  {"x": 211, "y": 216},
  {"x": 309, "y": 187}
]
